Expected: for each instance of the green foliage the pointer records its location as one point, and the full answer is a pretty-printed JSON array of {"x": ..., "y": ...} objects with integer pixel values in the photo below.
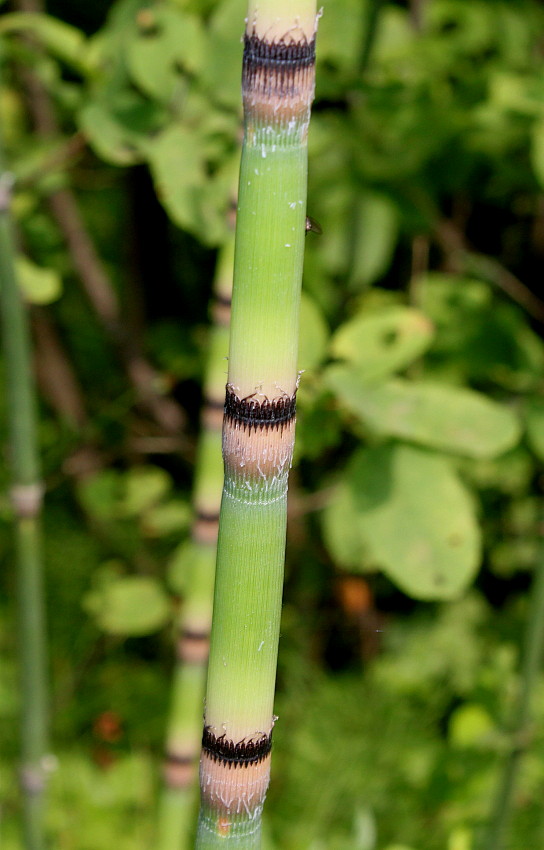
[
  {"x": 130, "y": 605},
  {"x": 383, "y": 342},
  {"x": 421, "y": 407},
  {"x": 405, "y": 511},
  {"x": 40, "y": 286},
  {"x": 430, "y": 414}
]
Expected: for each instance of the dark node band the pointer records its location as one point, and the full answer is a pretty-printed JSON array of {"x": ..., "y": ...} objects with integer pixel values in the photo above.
[
  {"x": 173, "y": 758},
  {"x": 202, "y": 516},
  {"x": 222, "y": 300},
  {"x": 278, "y": 54},
  {"x": 278, "y": 68},
  {"x": 187, "y": 634},
  {"x": 251, "y": 413},
  {"x": 241, "y": 754}
]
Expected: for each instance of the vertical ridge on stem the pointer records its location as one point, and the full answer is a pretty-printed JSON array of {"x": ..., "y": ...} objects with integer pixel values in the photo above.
[{"x": 259, "y": 420}]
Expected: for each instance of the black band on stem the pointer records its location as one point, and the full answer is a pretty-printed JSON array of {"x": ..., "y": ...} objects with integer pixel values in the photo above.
[
  {"x": 241, "y": 754},
  {"x": 251, "y": 413}
]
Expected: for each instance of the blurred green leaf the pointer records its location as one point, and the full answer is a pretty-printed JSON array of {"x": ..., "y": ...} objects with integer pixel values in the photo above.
[
  {"x": 170, "y": 42},
  {"x": 172, "y": 517},
  {"x": 537, "y": 151},
  {"x": 178, "y": 153},
  {"x": 131, "y": 605},
  {"x": 406, "y": 512},
  {"x": 313, "y": 334},
  {"x": 143, "y": 487},
  {"x": 383, "y": 342},
  {"x": 62, "y": 40},
  {"x": 375, "y": 236},
  {"x": 341, "y": 531},
  {"x": 479, "y": 337},
  {"x": 435, "y": 415},
  {"x": 120, "y": 126},
  {"x": 470, "y": 725},
  {"x": 100, "y": 493},
  {"x": 39, "y": 285},
  {"x": 534, "y": 420},
  {"x": 192, "y": 569},
  {"x": 221, "y": 71}
]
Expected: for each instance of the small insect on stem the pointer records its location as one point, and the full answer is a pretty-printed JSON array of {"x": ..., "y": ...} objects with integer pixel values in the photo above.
[{"x": 313, "y": 225}]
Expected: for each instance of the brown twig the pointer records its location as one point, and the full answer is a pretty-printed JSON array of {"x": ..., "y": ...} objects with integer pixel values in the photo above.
[
  {"x": 90, "y": 269},
  {"x": 454, "y": 244},
  {"x": 55, "y": 374}
]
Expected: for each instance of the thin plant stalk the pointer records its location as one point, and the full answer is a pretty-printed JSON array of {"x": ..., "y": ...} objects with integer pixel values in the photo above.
[
  {"x": 198, "y": 555},
  {"x": 26, "y": 498},
  {"x": 259, "y": 421},
  {"x": 521, "y": 727}
]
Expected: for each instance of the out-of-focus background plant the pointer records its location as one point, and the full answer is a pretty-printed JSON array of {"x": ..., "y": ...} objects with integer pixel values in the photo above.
[{"x": 416, "y": 500}]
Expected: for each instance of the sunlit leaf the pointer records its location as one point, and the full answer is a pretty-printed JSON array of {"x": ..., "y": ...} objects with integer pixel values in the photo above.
[
  {"x": 39, "y": 285},
  {"x": 169, "y": 42},
  {"x": 439, "y": 416},
  {"x": 406, "y": 512},
  {"x": 313, "y": 334},
  {"x": 131, "y": 605},
  {"x": 470, "y": 725},
  {"x": 143, "y": 487},
  {"x": 383, "y": 342},
  {"x": 375, "y": 236}
]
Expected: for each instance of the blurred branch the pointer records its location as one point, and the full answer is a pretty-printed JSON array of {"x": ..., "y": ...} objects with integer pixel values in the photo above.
[
  {"x": 55, "y": 374},
  {"x": 453, "y": 243},
  {"x": 417, "y": 13},
  {"x": 90, "y": 269}
]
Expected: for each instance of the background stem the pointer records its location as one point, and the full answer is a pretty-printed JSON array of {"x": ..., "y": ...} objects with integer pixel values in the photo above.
[
  {"x": 178, "y": 797},
  {"x": 520, "y": 731},
  {"x": 26, "y": 493}
]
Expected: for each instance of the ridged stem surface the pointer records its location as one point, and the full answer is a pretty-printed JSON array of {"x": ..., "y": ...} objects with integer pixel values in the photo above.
[{"x": 259, "y": 421}]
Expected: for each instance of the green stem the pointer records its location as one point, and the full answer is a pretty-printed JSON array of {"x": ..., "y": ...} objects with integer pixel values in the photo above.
[
  {"x": 26, "y": 494},
  {"x": 258, "y": 428},
  {"x": 520, "y": 731},
  {"x": 197, "y": 558}
]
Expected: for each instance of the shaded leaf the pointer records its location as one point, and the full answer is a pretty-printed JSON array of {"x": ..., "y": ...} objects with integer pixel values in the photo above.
[
  {"x": 537, "y": 151},
  {"x": 534, "y": 418},
  {"x": 375, "y": 236},
  {"x": 478, "y": 336}
]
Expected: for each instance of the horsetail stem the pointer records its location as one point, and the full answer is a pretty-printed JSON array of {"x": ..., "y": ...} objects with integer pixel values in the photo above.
[
  {"x": 26, "y": 499},
  {"x": 185, "y": 723},
  {"x": 259, "y": 420}
]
